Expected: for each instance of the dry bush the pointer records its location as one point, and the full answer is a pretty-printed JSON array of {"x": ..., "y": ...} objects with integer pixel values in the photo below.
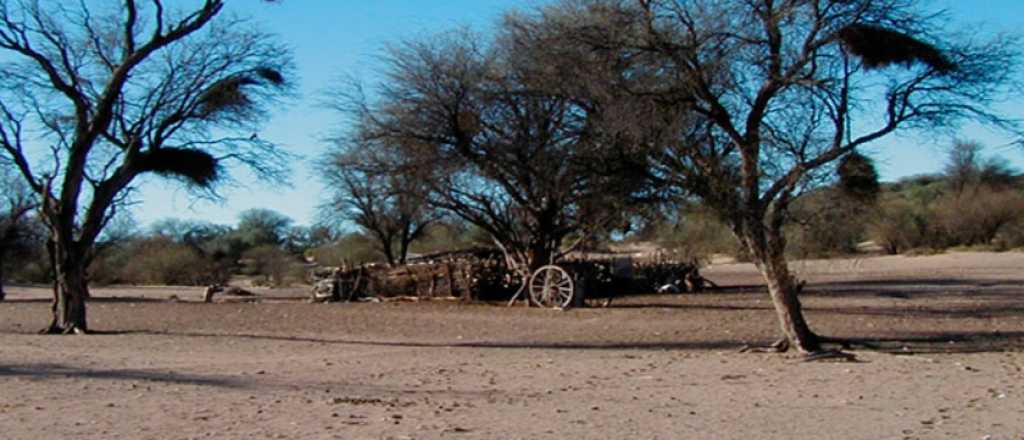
[
  {"x": 1010, "y": 236},
  {"x": 826, "y": 224},
  {"x": 157, "y": 261},
  {"x": 352, "y": 249},
  {"x": 270, "y": 262},
  {"x": 696, "y": 236},
  {"x": 984, "y": 217},
  {"x": 976, "y": 218},
  {"x": 899, "y": 225}
]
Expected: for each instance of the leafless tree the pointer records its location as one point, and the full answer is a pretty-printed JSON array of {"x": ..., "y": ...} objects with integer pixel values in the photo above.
[
  {"x": 521, "y": 161},
  {"x": 18, "y": 204},
  {"x": 966, "y": 170},
  {"x": 761, "y": 98},
  {"x": 94, "y": 97},
  {"x": 367, "y": 189}
]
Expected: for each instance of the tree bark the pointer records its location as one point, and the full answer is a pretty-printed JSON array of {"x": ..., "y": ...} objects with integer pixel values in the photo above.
[
  {"x": 2, "y": 279},
  {"x": 70, "y": 293},
  {"x": 767, "y": 245},
  {"x": 785, "y": 291},
  {"x": 540, "y": 253}
]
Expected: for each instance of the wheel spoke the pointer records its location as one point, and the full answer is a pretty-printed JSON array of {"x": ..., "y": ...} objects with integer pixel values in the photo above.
[{"x": 551, "y": 286}]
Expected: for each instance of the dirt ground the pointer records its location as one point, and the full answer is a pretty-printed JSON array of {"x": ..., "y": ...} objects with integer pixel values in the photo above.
[{"x": 946, "y": 334}]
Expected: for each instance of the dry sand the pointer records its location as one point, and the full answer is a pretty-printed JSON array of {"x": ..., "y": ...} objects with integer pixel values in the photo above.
[{"x": 948, "y": 332}]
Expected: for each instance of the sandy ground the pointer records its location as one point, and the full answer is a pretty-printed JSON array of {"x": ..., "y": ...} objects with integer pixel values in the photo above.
[{"x": 947, "y": 333}]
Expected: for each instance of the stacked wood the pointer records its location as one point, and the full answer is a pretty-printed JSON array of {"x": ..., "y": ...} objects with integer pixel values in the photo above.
[
  {"x": 684, "y": 276},
  {"x": 482, "y": 274},
  {"x": 475, "y": 274}
]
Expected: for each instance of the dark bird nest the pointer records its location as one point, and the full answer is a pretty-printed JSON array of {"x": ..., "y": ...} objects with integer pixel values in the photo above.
[
  {"x": 195, "y": 166},
  {"x": 857, "y": 177},
  {"x": 880, "y": 47},
  {"x": 230, "y": 93},
  {"x": 270, "y": 75}
]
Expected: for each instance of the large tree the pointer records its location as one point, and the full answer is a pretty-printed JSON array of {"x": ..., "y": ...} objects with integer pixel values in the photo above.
[
  {"x": 759, "y": 98},
  {"x": 94, "y": 97},
  {"x": 495, "y": 146}
]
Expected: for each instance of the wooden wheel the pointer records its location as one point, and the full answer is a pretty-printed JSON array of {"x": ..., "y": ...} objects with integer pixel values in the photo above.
[{"x": 551, "y": 286}]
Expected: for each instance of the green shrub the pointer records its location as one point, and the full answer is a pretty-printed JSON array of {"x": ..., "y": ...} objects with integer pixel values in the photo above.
[
  {"x": 899, "y": 225},
  {"x": 977, "y": 217},
  {"x": 270, "y": 262},
  {"x": 157, "y": 261},
  {"x": 349, "y": 250},
  {"x": 697, "y": 235},
  {"x": 827, "y": 223}
]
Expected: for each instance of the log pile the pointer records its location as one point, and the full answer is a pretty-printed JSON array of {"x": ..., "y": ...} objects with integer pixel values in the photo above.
[
  {"x": 481, "y": 274},
  {"x": 607, "y": 277},
  {"x": 469, "y": 275}
]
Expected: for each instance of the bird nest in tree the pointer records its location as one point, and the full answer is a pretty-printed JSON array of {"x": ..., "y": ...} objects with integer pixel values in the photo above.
[{"x": 880, "y": 47}]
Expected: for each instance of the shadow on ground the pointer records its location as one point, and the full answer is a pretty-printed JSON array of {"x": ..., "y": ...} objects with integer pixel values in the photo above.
[{"x": 46, "y": 371}]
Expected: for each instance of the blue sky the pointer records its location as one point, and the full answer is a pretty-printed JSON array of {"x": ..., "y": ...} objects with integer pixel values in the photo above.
[{"x": 332, "y": 37}]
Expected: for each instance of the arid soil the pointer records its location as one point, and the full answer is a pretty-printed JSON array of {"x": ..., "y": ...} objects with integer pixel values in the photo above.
[{"x": 941, "y": 358}]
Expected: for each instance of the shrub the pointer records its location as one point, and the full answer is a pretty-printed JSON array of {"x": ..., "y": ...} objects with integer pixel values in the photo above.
[
  {"x": 899, "y": 225},
  {"x": 156, "y": 260},
  {"x": 976, "y": 218},
  {"x": 697, "y": 235},
  {"x": 350, "y": 249},
  {"x": 270, "y": 262},
  {"x": 827, "y": 223}
]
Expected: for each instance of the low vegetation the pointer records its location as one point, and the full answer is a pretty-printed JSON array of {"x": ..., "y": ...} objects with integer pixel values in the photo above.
[{"x": 977, "y": 206}]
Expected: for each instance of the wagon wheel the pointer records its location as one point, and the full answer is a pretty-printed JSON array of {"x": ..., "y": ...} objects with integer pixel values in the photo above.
[{"x": 551, "y": 286}]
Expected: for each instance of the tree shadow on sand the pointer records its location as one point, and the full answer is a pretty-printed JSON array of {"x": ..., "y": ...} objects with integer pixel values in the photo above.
[
  {"x": 50, "y": 371},
  {"x": 543, "y": 345},
  {"x": 909, "y": 344},
  {"x": 939, "y": 342}
]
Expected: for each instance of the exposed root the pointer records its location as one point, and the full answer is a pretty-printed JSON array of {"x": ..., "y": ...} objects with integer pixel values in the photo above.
[
  {"x": 711, "y": 285},
  {"x": 56, "y": 330},
  {"x": 847, "y": 344},
  {"x": 829, "y": 355},
  {"x": 780, "y": 346}
]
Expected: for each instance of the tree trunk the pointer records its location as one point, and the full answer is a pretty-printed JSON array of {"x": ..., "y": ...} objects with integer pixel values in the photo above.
[
  {"x": 784, "y": 291},
  {"x": 767, "y": 245},
  {"x": 2, "y": 293},
  {"x": 540, "y": 255},
  {"x": 70, "y": 293}
]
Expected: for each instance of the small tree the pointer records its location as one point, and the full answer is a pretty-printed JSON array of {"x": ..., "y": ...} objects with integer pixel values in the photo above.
[
  {"x": 370, "y": 188},
  {"x": 121, "y": 92},
  {"x": 262, "y": 227},
  {"x": 966, "y": 171},
  {"x": 17, "y": 205}
]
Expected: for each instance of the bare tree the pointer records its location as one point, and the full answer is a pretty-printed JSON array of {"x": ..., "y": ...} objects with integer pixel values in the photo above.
[
  {"x": 520, "y": 161},
  {"x": 94, "y": 98},
  {"x": 18, "y": 204},
  {"x": 758, "y": 99},
  {"x": 967, "y": 171},
  {"x": 370, "y": 188}
]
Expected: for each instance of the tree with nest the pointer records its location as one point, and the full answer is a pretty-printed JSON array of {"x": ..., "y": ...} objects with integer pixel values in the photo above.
[
  {"x": 95, "y": 97},
  {"x": 755, "y": 101}
]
